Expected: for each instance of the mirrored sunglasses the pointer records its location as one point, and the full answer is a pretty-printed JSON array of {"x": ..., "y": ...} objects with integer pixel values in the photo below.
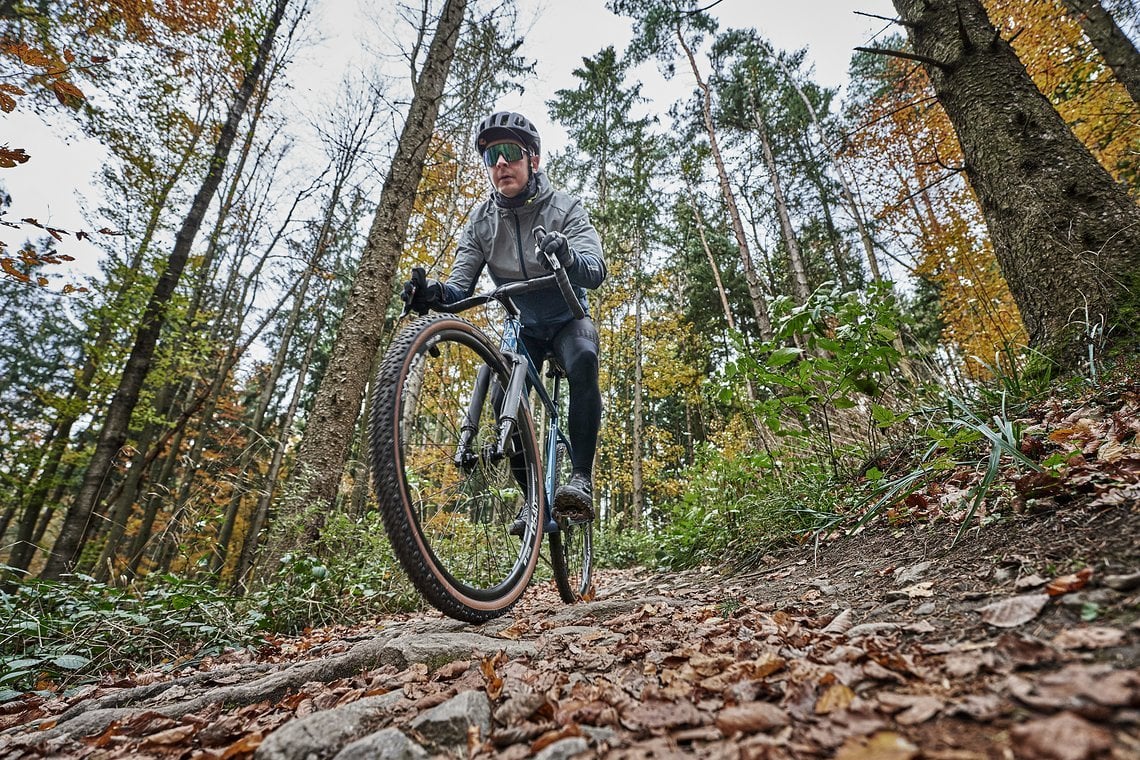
[{"x": 510, "y": 151}]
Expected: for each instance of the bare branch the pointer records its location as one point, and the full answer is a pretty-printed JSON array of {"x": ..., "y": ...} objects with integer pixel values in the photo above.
[
  {"x": 695, "y": 11},
  {"x": 895, "y": 20},
  {"x": 908, "y": 56}
]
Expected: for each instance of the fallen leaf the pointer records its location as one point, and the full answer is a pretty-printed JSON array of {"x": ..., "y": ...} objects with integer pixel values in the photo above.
[
  {"x": 105, "y": 738},
  {"x": 885, "y": 745},
  {"x": 657, "y": 714},
  {"x": 519, "y": 707},
  {"x": 751, "y": 718},
  {"x": 841, "y": 623},
  {"x": 1064, "y": 736},
  {"x": 243, "y": 746},
  {"x": 1089, "y": 637},
  {"x": 837, "y": 697},
  {"x": 913, "y": 708},
  {"x": 1078, "y": 687},
  {"x": 1030, "y": 581},
  {"x": 1067, "y": 583},
  {"x": 919, "y": 590},
  {"x": 550, "y": 737},
  {"x": 492, "y": 681},
  {"x": 170, "y": 736},
  {"x": 1014, "y": 611},
  {"x": 515, "y": 631},
  {"x": 1111, "y": 451},
  {"x": 450, "y": 670}
]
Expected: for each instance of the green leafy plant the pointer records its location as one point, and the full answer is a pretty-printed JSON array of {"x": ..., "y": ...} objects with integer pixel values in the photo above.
[
  {"x": 837, "y": 352},
  {"x": 65, "y": 631},
  {"x": 358, "y": 578}
]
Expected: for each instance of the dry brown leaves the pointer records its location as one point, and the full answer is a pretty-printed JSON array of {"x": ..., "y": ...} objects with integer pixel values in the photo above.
[{"x": 698, "y": 678}]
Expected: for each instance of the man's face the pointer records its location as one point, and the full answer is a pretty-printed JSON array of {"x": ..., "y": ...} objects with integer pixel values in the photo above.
[{"x": 509, "y": 177}]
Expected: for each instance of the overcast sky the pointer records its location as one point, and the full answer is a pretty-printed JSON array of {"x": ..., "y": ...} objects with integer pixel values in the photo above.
[{"x": 50, "y": 186}]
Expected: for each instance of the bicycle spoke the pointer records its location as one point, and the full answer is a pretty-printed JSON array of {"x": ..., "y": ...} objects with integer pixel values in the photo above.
[{"x": 449, "y": 519}]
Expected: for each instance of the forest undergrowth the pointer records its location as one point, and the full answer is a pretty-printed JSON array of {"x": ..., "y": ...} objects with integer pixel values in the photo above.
[{"x": 1010, "y": 449}]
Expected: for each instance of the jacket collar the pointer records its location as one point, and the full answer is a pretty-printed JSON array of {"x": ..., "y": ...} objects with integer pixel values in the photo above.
[{"x": 538, "y": 189}]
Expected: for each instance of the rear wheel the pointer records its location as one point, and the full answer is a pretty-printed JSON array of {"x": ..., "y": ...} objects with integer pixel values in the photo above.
[
  {"x": 572, "y": 548},
  {"x": 447, "y": 516},
  {"x": 572, "y": 557}
]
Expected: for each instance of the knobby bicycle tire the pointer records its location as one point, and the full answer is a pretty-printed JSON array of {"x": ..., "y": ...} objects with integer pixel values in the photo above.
[
  {"x": 448, "y": 523},
  {"x": 571, "y": 547}
]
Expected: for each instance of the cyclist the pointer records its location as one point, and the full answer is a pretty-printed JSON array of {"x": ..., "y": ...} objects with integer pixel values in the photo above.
[{"x": 499, "y": 235}]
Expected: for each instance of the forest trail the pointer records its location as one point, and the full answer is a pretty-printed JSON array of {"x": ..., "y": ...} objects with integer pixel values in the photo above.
[{"x": 894, "y": 643}]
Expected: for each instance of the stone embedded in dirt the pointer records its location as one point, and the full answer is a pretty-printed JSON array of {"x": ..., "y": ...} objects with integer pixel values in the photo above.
[
  {"x": 1123, "y": 582},
  {"x": 1064, "y": 736},
  {"x": 904, "y": 576},
  {"x": 447, "y": 725},
  {"x": 315, "y": 734},
  {"x": 564, "y": 749},
  {"x": 439, "y": 648},
  {"x": 389, "y": 744}
]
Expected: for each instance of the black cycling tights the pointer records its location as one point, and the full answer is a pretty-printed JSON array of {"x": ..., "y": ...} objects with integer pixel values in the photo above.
[{"x": 575, "y": 345}]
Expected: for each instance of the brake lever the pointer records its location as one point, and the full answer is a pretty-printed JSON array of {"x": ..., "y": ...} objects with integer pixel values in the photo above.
[{"x": 539, "y": 234}]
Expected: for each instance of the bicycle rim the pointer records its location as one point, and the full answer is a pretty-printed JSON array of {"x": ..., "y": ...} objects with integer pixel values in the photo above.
[
  {"x": 449, "y": 522},
  {"x": 572, "y": 557},
  {"x": 572, "y": 548}
]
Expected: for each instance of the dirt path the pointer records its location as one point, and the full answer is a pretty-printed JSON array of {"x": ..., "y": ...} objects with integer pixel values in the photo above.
[{"x": 889, "y": 644}]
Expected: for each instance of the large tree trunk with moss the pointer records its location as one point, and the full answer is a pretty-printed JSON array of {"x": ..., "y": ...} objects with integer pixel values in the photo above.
[
  {"x": 1066, "y": 235},
  {"x": 328, "y": 433}
]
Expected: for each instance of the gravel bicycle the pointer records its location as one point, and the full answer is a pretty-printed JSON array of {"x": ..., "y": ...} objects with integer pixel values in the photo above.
[{"x": 456, "y": 458}]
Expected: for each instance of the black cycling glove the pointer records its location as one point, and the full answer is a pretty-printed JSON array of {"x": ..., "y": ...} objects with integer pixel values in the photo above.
[
  {"x": 421, "y": 293},
  {"x": 556, "y": 244}
]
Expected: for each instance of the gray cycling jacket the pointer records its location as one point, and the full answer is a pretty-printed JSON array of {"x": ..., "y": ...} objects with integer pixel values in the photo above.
[{"x": 502, "y": 240}]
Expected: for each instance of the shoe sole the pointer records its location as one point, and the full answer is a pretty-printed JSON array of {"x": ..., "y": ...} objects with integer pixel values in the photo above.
[{"x": 573, "y": 504}]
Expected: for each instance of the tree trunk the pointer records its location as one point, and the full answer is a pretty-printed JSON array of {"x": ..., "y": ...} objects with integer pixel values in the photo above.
[
  {"x": 759, "y": 302},
  {"x": 1066, "y": 235},
  {"x": 324, "y": 447},
  {"x": 801, "y": 291},
  {"x": 1118, "y": 51},
  {"x": 115, "y": 426},
  {"x": 261, "y": 512},
  {"x": 637, "y": 508},
  {"x": 712, "y": 260}
]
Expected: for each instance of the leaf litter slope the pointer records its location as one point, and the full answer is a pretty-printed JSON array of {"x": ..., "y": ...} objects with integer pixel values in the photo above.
[{"x": 1019, "y": 639}]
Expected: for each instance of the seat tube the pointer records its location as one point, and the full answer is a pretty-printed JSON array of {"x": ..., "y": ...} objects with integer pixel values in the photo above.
[{"x": 552, "y": 444}]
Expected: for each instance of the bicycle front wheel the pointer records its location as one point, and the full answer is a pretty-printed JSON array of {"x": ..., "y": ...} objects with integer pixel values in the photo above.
[{"x": 448, "y": 516}]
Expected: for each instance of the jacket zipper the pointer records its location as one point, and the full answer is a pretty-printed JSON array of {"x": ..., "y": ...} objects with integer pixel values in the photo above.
[{"x": 519, "y": 246}]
